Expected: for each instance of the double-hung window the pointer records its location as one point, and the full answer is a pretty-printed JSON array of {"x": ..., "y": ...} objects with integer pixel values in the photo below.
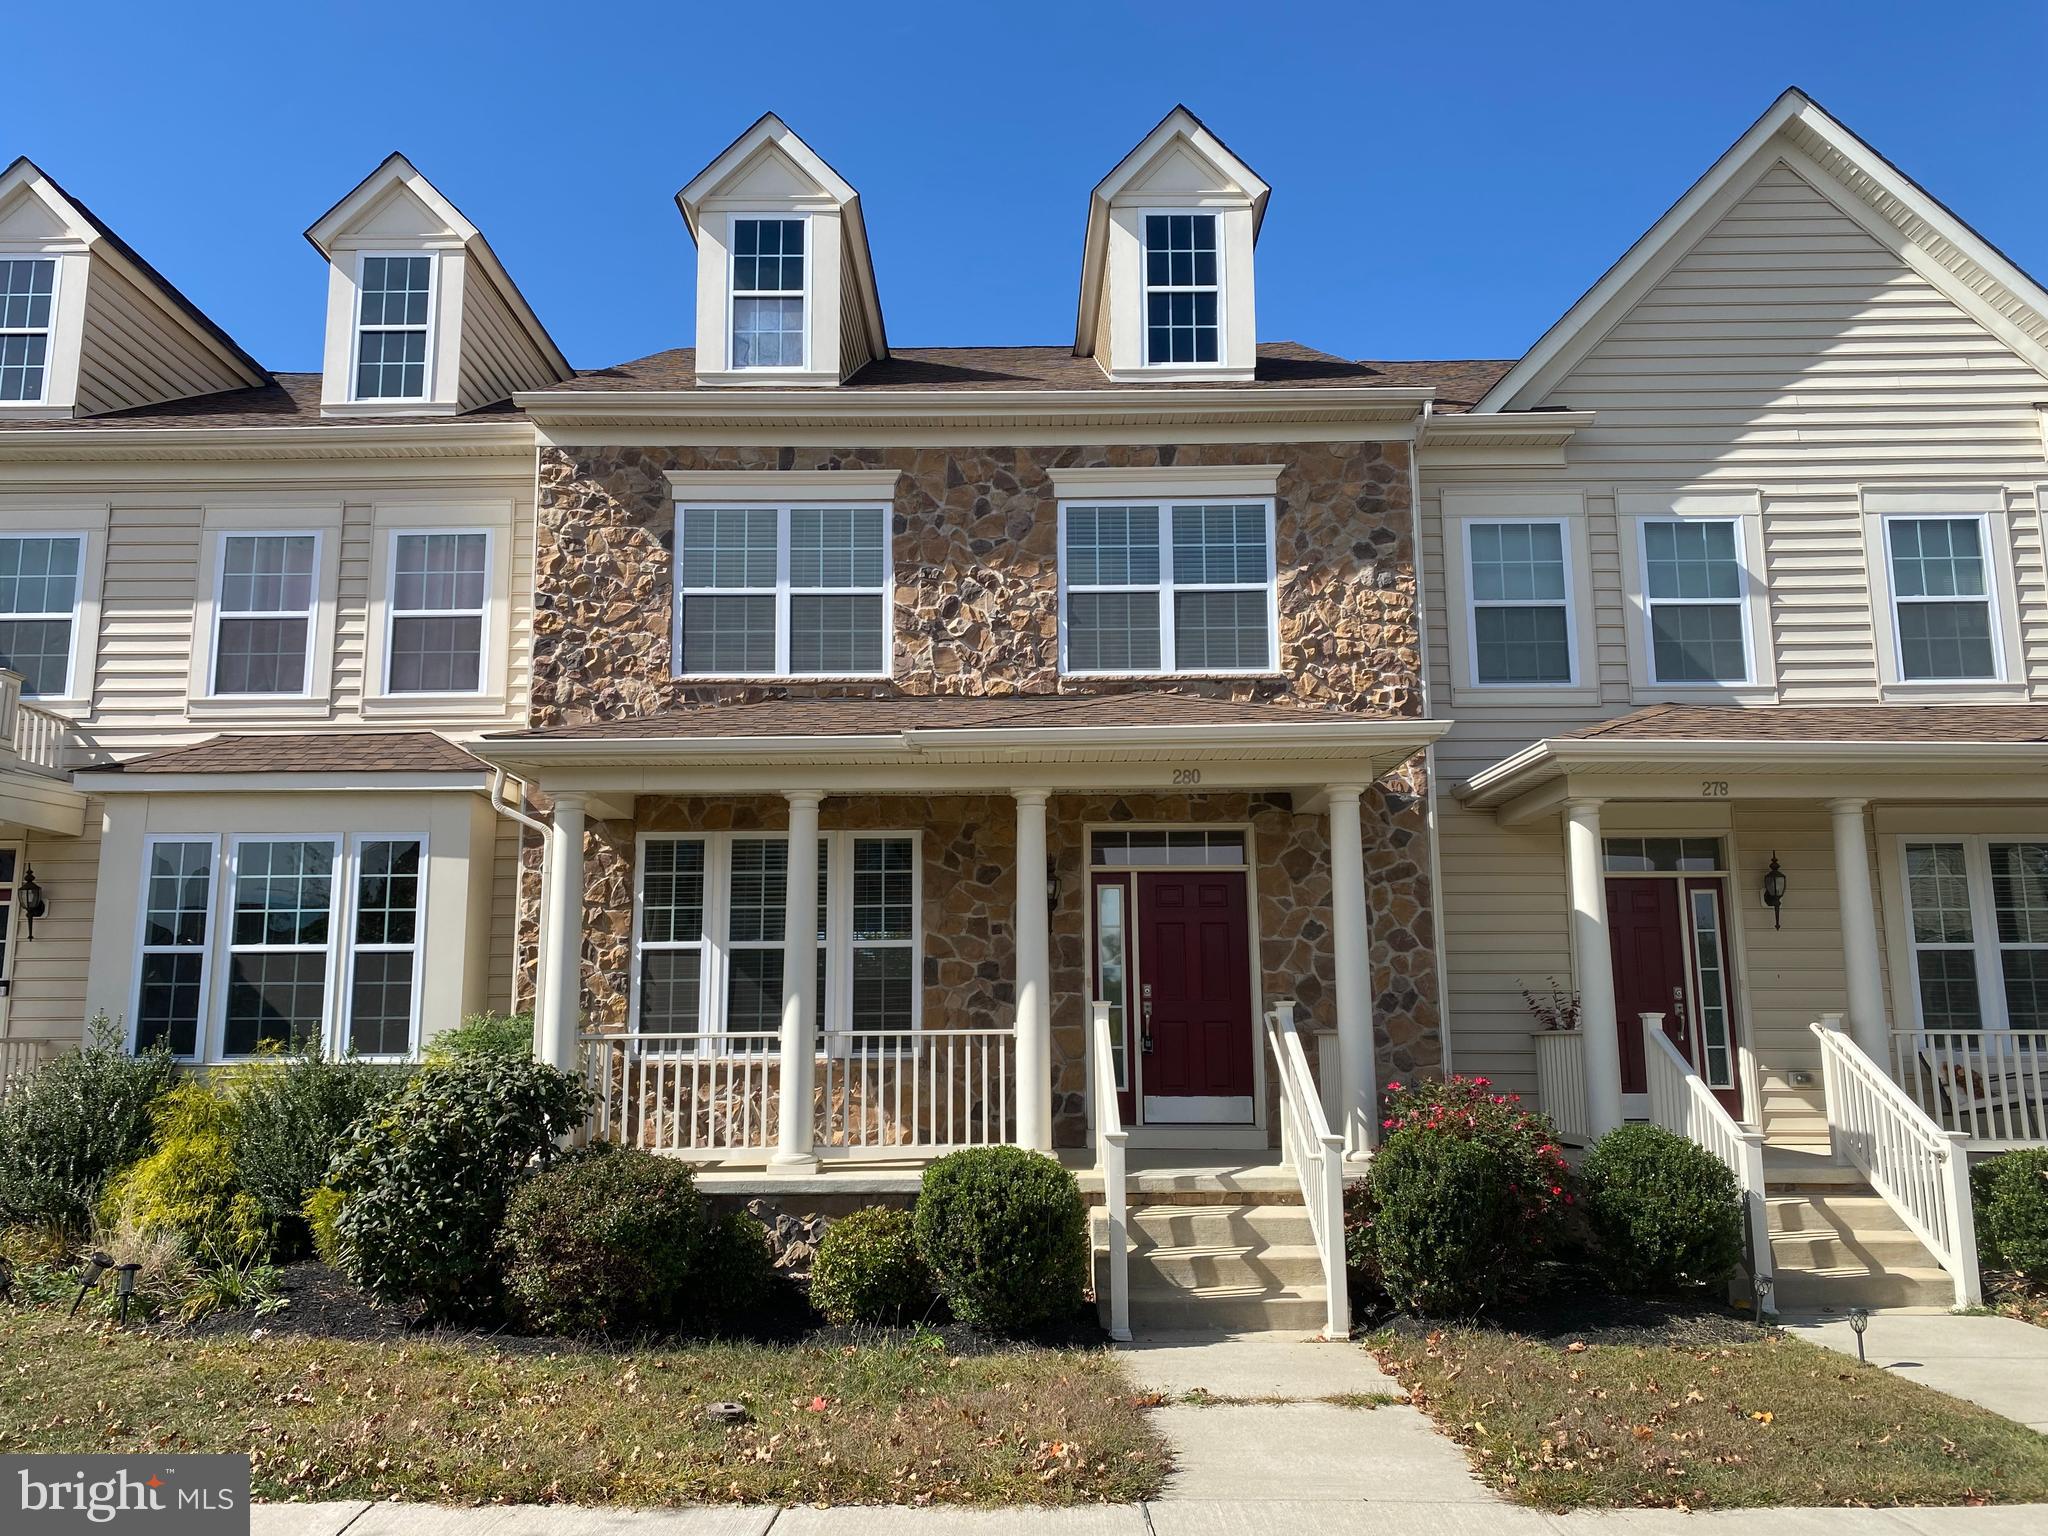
[
  {"x": 320, "y": 940},
  {"x": 395, "y": 303},
  {"x": 1693, "y": 592},
  {"x": 791, "y": 591},
  {"x": 28, "y": 291},
  {"x": 1979, "y": 911},
  {"x": 1521, "y": 603},
  {"x": 768, "y": 262},
  {"x": 39, "y": 580},
  {"x": 713, "y": 944},
  {"x": 1942, "y": 615},
  {"x": 263, "y": 618},
  {"x": 440, "y": 583},
  {"x": 1182, "y": 289},
  {"x": 1168, "y": 587}
]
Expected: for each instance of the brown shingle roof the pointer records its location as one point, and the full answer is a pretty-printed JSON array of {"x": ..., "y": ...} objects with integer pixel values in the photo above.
[
  {"x": 310, "y": 752},
  {"x": 289, "y": 400},
  {"x": 1853, "y": 722},
  {"x": 930, "y": 712},
  {"x": 1282, "y": 365}
]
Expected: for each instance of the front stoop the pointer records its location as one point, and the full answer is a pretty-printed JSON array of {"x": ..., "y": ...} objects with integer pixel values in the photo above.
[
  {"x": 1836, "y": 1243},
  {"x": 1204, "y": 1259}
]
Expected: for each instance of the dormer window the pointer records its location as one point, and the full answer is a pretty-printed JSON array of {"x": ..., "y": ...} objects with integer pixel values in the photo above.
[
  {"x": 767, "y": 293},
  {"x": 1181, "y": 288},
  {"x": 27, "y": 291},
  {"x": 391, "y": 328}
]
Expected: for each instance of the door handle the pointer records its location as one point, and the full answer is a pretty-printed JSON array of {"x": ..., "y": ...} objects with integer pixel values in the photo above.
[{"x": 1145, "y": 1013}]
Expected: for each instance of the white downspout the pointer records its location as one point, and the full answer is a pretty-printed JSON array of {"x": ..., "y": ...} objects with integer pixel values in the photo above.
[
  {"x": 1436, "y": 865},
  {"x": 515, "y": 811}
]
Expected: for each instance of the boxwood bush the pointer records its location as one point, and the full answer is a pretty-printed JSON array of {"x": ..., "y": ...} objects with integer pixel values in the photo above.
[
  {"x": 1004, "y": 1232},
  {"x": 868, "y": 1270},
  {"x": 426, "y": 1179},
  {"x": 73, "y": 1123},
  {"x": 605, "y": 1243},
  {"x": 2012, "y": 1212},
  {"x": 1446, "y": 1235},
  {"x": 1665, "y": 1213}
]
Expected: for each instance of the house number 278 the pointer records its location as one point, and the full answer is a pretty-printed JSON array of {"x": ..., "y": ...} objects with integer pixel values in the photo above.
[{"x": 1713, "y": 789}]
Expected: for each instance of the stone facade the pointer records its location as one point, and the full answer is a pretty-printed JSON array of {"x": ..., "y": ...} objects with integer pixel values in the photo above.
[{"x": 976, "y": 593}]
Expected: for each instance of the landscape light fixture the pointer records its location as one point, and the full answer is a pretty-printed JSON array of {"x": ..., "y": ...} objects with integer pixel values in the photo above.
[
  {"x": 1859, "y": 1320},
  {"x": 124, "y": 1286},
  {"x": 96, "y": 1264},
  {"x": 1774, "y": 892}
]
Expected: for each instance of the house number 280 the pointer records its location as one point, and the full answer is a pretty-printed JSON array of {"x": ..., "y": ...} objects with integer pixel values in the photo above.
[
  {"x": 1713, "y": 789},
  {"x": 1187, "y": 775}
]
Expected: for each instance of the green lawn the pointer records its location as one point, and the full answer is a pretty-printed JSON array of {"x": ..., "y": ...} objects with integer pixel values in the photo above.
[
  {"x": 460, "y": 1423},
  {"x": 1780, "y": 1422}
]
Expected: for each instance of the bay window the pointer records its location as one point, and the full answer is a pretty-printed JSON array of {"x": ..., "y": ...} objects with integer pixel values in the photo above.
[
  {"x": 1979, "y": 931},
  {"x": 1168, "y": 587},
  {"x": 783, "y": 591}
]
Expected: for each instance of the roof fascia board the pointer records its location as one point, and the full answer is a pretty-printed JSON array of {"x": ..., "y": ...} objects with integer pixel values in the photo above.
[
  {"x": 281, "y": 781},
  {"x": 369, "y": 439}
]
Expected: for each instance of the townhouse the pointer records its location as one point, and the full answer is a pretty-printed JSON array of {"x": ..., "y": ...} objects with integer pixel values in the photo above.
[{"x": 1165, "y": 737}]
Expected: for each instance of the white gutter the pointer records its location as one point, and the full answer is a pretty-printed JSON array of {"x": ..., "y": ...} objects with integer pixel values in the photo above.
[{"x": 518, "y": 813}]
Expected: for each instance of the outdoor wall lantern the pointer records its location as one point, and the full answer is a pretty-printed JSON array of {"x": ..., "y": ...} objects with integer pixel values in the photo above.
[
  {"x": 1052, "y": 885},
  {"x": 31, "y": 900},
  {"x": 1774, "y": 892}
]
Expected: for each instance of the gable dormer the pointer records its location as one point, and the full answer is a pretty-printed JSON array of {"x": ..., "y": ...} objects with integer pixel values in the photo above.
[
  {"x": 86, "y": 325},
  {"x": 1166, "y": 269},
  {"x": 422, "y": 320},
  {"x": 785, "y": 282}
]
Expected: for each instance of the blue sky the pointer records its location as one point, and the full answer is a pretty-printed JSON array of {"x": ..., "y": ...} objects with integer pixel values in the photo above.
[{"x": 1446, "y": 179}]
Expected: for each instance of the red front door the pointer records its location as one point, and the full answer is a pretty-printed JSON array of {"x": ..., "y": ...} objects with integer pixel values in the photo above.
[
  {"x": 1194, "y": 996},
  {"x": 1670, "y": 958}
]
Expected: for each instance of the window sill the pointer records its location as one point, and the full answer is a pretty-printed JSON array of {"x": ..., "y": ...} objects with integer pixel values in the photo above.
[
  {"x": 1520, "y": 695},
  {"x": 286, "y": 706},
  {"x": 1268, "y": 676},
  {"x": 1955, "y": 691},
  {"x": 1702, "y": 693},
  {"x": 722, "y": 678},
  {"x": 436, "y": 706}
]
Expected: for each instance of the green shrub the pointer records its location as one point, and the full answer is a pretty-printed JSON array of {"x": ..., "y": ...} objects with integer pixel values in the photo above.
[
  {"x": 1469, "y": 1109},
  {"x": 1005, "y": 1235},
  {"x": 427, "y": 1178},
  {"x": 75, "y": 1122},
  {"x": 1446, "y": 1227},
  {"x": 1360, "y": 1260},
  {"x": 187, "y": 1185},
  {"x": 1665, "y": 1213},
  {"x": 322, "y": 1215},
  {"x": 868, "y": 1271},
  {"x": 293, "y": 1115},
  {"x": 484, "y": 1034},
  {"x": 2012, "y": 1211},
  {"x": 603, "y": 1243},
  {"x": 737, "y": 1289}
]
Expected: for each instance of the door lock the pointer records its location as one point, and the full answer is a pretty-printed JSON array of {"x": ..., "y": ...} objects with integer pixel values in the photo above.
[{"x": 1145, "y": 1012}]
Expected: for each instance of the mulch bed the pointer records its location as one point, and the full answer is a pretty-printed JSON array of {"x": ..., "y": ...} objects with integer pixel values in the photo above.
[{"x": 1593, "y": 1317}]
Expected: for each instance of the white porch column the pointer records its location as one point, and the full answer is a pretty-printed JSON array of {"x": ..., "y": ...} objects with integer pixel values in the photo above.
[
  {"x": 793, "y": 1140},
  {"x": 1034, "y": 977},
  {"x": 1867, "y": 1024},
  {"x": 1358, "y": 1120},
  {"x": 1593, "y": 958},
  {"x": 561, "y": 956}
]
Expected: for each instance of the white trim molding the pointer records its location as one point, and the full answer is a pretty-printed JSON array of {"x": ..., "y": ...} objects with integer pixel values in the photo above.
[
  {"x": 1744, "y": 510},
  {"x": 1463, "y": 507},
  {"x": 1167, "y": 480},
  {"x": 1990, "y": 508}
]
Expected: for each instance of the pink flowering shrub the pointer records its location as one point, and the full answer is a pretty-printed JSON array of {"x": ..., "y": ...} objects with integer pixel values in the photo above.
[{"x": 1467, "y": 1193}]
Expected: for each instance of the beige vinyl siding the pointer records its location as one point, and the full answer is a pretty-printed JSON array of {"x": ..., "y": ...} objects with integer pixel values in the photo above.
[
  {"x": 46, "y": 998},
  {"x": 1792, "y": 352},
  {"x": 135, "y": 352},
  {"x": 854, "y": 351},
  {"x": 504, "y": 916},
  {"x": 499, "y": 358}
]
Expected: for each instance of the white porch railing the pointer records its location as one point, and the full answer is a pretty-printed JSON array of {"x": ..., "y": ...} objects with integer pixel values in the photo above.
[
  {"x": 1110, "y": 1141},
  {"x": 876, "y": 1094},
  {"x": 18, "y": 1058},
  {"x": 1682, "y": 1103},
  {"x": 29, "y": 734},
  {"x": 1989, "y": 1084},
  {"x": 1317, "y": 1153},
  {"x": 1922, "y": 1170},
  {"x": 1561, "y": 1082}
]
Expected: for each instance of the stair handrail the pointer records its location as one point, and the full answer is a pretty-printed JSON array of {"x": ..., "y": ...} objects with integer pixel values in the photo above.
[
  {"x": 1111, "y": 1141},
  {"x": 1683, "y": 1104},
  {"x": 1921, "y": 1171},
  {"x": 1318, "y": 1157}
]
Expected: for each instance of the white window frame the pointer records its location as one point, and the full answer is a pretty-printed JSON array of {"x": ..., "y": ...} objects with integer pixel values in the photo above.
[
  {"x": 76, "y": 617},
  {"x": 349, "y": 905},
  {"x": 485, "y": 613},
  {"x": 1744, "y": 587},
  {"x": 224, "y": 912},
  {"x": 1462, "y": 506},
  {"x": 1985, "y": 944},
  {"x": 1146, "y": 288},
  {"x": 1473, "y": 603},
  {"x": 202, "y": 1026},
  {"x": 1994, "y": 620},
  {"x": 311, "y": 612},
  {"x": 1881, "y": 504},
  {"x": 783, "y": 591},
  {"x": 47, "y": 332},
  {"x": 356, "y": 328},
  {"x": 733, "y": 294},
  {"x": 1741, "y": 507},
  {"x": 1166, "y": 586},
  {"x": 835, "y": 1008}
]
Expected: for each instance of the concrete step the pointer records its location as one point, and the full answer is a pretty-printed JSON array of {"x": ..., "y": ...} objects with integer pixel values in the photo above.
[
  {"x": 1219, "y": 1226},
  {"x": 1203, "y": 1264},
  {"x": 1224, "y": 1309},
  {"x": 1236, "y": 1269},
  {"x": 1832, "y": 1211},
  {"x": 1839, "y": 1289},
  {"x": 1873, "y": 1251}
]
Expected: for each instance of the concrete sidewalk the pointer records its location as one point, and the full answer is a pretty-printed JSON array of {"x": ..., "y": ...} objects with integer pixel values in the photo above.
[
  {"x": 1195, "y": 1517},
  {"x": 1998, "y": 1363}
]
